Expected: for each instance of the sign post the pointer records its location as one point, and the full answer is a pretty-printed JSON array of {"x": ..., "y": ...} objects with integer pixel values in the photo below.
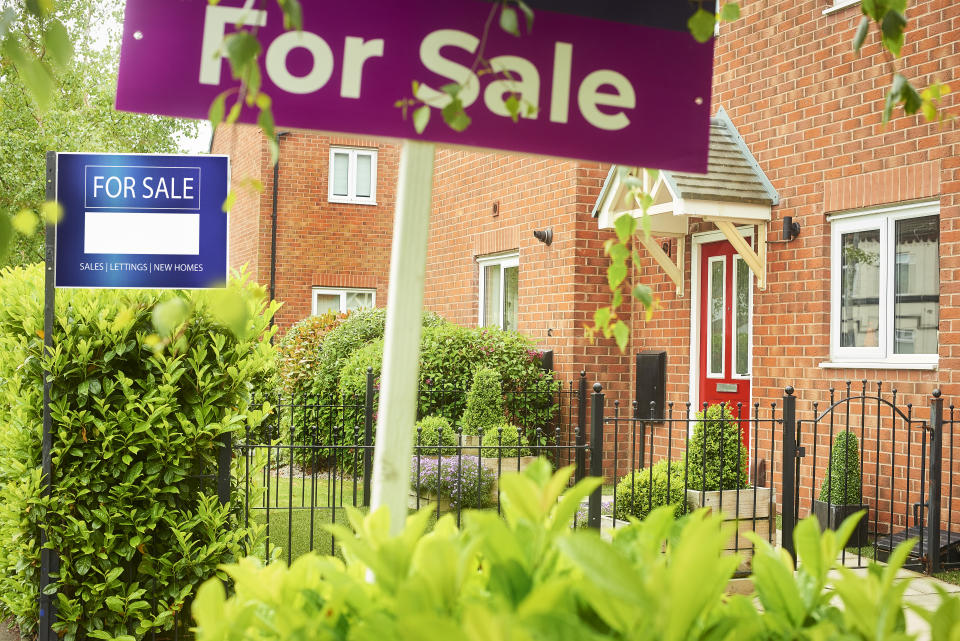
[
  {"x": 621, "y": 82},
  {"x": 128, "y": 221}
]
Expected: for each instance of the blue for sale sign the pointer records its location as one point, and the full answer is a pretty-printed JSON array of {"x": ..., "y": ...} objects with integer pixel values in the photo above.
[{"x": 142, "y": 221}]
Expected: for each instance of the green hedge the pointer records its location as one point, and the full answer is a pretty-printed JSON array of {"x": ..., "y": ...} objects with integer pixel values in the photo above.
[
  {"x": 137, "y": 419},
  {"x": 300, "y": 351},
  {"x": 842, "y": 485},
  {"x": 637, "y": 495},
  {"x": 449, "y": 357},
  {"x": 716, "y": 454}
]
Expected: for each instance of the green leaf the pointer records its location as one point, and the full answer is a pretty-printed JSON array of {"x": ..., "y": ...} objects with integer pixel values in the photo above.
[
  {"x": 513, "y": 107},
  {"x": 229, "y": 201},
  {"x": 292, "y": 15},
  {"x": 242, "y": 48},
  {"x": 625, "y": 226},
  {"x": 421, "y": 118},
  {"x": 34, "y": 75},
  {"x": 862, "y": 31},
  {"x": 25, "y": 222},
  {"x": 7, "y": 18},
  {"x": 218, "y": 108},
  {"x": 169, "y": 315},
  {"x": 616, "y": 274},
  {"x": 58, "y": 44},
  {"x": 730, "y": 12},
  {"x": 892, "y": 27},
  {"x": 509, "y": 21},
  {"x": 643, "y": 294},
  {"x": 621, "y": 332},
  {"x": 601, "y": 317},
  {"x": 455, "y": 116},
  {"x": 701, "y": 24},
  {"x": 527, "y": 13}
]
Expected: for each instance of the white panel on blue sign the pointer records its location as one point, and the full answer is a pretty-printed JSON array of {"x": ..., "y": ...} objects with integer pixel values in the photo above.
[{"x": 142, "y": 221}]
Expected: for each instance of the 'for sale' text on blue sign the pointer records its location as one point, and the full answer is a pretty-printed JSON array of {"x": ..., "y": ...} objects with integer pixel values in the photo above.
[{"x": 142, "y": 221}]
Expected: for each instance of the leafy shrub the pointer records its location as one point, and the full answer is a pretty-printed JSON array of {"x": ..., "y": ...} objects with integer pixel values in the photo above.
[
  {"x": 449, "y": 357},
  {"x": 842, "y": 485},
  {"x": 461, "y": 479},
  {"x": 644, "y": 490},
  {"x": 716, "y": 437},
  {"x": 503, "y": 440},
  {"x": 433, "y": 431},
  {"x": 135, "y": 429},
  {"x": 484, "y": 411},
  {"x": 298, "y": 353},
  {"x": 530, "y": 576}
]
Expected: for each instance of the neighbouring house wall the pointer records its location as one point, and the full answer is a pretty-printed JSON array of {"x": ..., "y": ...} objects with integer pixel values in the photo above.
[
  {"x": 319, "y": 243},
  {"x": 809, "y": 108}
]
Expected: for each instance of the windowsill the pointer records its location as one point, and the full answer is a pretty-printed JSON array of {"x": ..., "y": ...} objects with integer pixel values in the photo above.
[
  {"x": 840, "y": 7},
  {"x": 351, "y": 201},
  {"x": 877, "y": 365}
]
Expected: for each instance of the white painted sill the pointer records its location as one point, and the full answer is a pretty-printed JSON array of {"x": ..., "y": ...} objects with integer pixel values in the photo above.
[
  {"x": 877, "y": 365},
  {"x": 346, "y": 200},
  {"x": 840, "y": 6}
]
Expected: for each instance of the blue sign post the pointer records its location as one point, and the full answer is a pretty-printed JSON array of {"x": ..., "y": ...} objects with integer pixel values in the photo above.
[
  {"x": 141, "y": 221},
  {"x": 129, "y": 221}
]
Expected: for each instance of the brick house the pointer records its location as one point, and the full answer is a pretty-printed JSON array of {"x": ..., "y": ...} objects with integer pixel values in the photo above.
[{"x": 868, "y": 290}]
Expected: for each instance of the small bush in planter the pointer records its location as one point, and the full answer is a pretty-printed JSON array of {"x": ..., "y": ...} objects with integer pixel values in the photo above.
[
  {"x": 716, "y": 457},
  {"x": 841, "y": 485},
  {"x": 433, "y": 433},
  {"x": 637, "y": 495},
  {"x": 462, "y": 480},
  {"x": 841, "y": 493},
  {"x": 484, "y": 403},
  {"x": 507, "y": 437}
]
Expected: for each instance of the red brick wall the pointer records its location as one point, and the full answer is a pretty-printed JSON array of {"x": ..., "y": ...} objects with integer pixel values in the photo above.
[{"x": 319, "y": 243}]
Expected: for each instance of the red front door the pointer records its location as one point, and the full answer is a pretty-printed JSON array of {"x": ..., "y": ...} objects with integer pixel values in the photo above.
[{"x": 726, "y": 288}]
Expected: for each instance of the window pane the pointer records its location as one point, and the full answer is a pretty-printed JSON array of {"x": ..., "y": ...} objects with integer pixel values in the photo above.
[
  {"x": 491, "y": 295},
  {"x": 743, "y": 318},
  {"x": 511, "y": 286},
  {"x": 364, "y": 168},
  {"x": 340, "y": 174},
  {"x": 716, "y": 316},
  {"x": 327, "y": 303},
  {"x": 916, "y": 306},
  {"x": 860, "y": 289},
  {"x": 356, "y": 300}
]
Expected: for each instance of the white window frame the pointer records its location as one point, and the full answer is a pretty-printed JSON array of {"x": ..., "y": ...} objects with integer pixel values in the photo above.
[
  {"x": 838, "y": 5},
  {"x": 351, "y": 197},
  {"x": 336, "y": 291},
  {"x": 723, "y": 316},
  {"x": 504, "y": 260},
  {"x": 882, "y": 219},
  {"x": 737, "y": 261}
]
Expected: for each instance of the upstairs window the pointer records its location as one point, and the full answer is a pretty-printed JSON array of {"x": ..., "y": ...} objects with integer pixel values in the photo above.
[
  {"x": 499, "y": 289},
  {"x": 886, "y": 285},
  {"x": 353, "y": 176}
]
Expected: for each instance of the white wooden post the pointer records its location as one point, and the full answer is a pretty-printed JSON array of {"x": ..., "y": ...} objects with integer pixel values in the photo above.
[{"x": 401, "y": 358}]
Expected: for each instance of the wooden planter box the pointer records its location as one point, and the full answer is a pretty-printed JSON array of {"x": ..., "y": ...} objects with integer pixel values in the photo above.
[
  {"x": 752, "y": 509},
  {"x": 831, "y": 516},
  {"x": 428, "y": 499}
]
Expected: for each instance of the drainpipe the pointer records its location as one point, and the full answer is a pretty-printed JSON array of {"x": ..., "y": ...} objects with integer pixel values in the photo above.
[{"x": 273, "y": 224}]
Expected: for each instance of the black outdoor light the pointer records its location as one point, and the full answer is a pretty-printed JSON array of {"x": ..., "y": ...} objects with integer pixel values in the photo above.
[
  {"x": 544, "y": 235},
  {"x": 790, "y": 229}
]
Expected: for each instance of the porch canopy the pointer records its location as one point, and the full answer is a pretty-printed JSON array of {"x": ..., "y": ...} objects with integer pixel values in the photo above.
[{"x": 733, "y": 193}]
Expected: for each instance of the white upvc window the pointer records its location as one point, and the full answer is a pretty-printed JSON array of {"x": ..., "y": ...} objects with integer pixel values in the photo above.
[
  {"x": 499, "y": 290},
  {"x": 353, "y": 175},
  {"x": 837, "y": 5},
  {"x": 328, "y": 299},
  {"x": 716, "y": 316},
  {"x": 885, "y": 286},
  {"x": 742, "y": 318}
]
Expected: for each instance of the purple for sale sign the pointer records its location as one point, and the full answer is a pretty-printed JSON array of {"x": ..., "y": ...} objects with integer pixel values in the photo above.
[{"x": 605, "y": 80}]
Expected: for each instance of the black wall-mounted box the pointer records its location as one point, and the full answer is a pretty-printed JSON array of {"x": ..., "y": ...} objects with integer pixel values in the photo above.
[{"x": 651, "y": 384}]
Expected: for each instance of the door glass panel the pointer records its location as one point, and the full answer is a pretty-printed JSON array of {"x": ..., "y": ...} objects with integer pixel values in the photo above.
[
  {"x": 916, "y": 306},
  {"x": 327, "y": 303},
  {"x": 717, "y": 268},
  {"x": 742, "y": 337},
  {"x": 491, "y": 295},
  {"x": 860, "y": 289},
  {"x": 356, "y": 300},
  {"x": 341, "y": 174},
  {"x": 511, "y": 285},
  {"x": 364, "y": 166}
]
